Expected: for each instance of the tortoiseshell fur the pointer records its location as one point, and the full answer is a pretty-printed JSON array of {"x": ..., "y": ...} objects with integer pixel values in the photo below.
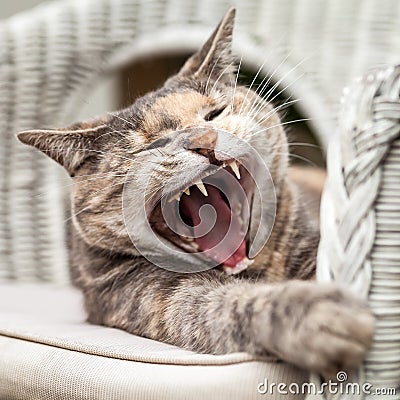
[{"x": 272, "y": 308}]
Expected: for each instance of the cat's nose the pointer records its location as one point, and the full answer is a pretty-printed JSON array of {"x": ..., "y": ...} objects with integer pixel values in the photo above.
[{"x": 204, "y": 141}]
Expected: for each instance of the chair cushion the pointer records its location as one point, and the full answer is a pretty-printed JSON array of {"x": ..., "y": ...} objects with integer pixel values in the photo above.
[{"x": 48, "y": 351}]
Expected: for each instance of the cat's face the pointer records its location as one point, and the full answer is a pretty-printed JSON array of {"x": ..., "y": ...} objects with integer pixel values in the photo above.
[{"x": 173, "y": 132}]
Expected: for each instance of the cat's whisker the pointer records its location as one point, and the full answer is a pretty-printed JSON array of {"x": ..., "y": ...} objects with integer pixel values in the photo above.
[
  {"x": 38, "y": 195},
  {"x": 277, "y": 125},
  {"x": 263, "y": 105},
  {"x": 272, "y": 75},
  {"x": 235, "y": 87},
  {"x": 249, "y": 89},
  {"x": 253, "y": 117},
  {"x": 284, "y": 77},
  {"x": 257, "y": 108},
  {"x": 308, "y": 161},
  {"x": 297, "y": 144},
  {"x": 112, "y": 131},
  {"x": 88, "y": 149},
  {"x": 72, "y": 216},
  {"x": 260, "y": 107},
  {"x": 262, "y": 120},
  {"x": 311, "y": 145},
  {"x": 211, "y": 72},
  {"x": 85, "y": 208},
  {"x": 220, "y": 76},
  {"x": 285, "y": 88},
  {"x": 264, "y": 86},
  {"x": 289, "y": 154},
  {"x": 122, "y": 119},
  {"x": 118, "y": 236},
  {"x": 274, "y": 111}
]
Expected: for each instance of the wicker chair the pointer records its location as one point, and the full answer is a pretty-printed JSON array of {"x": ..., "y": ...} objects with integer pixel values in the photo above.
[
  {"x": 65, "y": 47},
  {"x": 360, "y": 215}
]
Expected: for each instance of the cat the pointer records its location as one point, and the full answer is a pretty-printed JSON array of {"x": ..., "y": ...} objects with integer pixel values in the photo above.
[{"x": 274, "y": 306}]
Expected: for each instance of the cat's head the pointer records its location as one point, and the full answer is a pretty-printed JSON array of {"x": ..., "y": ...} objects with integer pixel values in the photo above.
[{"x": 174, "y": 132}]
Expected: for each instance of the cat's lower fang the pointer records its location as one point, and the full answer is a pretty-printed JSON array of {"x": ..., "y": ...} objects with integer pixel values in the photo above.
[{"x": 239, "y": 267}]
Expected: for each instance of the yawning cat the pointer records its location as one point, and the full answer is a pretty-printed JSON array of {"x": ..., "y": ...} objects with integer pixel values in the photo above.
[{"x": 269, "y": 305}]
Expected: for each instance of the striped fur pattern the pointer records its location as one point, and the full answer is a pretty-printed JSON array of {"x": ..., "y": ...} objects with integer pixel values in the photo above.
[{"x": 271, "y": 308}]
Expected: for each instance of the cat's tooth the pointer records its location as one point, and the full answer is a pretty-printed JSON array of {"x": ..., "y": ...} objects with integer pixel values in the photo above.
[
  {"x": 239, "y": 267},
  {"x": 195, "y": 246},
  {"x": 235, "y": 168},
  {"x": 247, "y": 261},
  {"x": 176, "y": 197},
  {"x": 201, "y": 187},
  {"x": 187, "y": 191}
]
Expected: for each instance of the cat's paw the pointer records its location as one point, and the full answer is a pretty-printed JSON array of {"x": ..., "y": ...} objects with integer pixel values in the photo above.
[{"x": 320, "y": 327}]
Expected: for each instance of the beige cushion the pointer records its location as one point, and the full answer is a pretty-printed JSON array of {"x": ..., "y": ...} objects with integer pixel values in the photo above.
[{"x": 48, "y": 351}]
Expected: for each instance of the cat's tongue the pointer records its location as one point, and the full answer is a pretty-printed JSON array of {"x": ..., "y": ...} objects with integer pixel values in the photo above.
[{"x": 233, "y": 253}]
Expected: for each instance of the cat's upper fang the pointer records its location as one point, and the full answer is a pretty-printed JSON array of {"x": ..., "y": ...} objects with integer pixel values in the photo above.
[
  {"x": 176, "y": 197},
  {"x": 201, "y": 187},
  {"x": 235, "y": 168},
  {"x": 233, "y": 164}
]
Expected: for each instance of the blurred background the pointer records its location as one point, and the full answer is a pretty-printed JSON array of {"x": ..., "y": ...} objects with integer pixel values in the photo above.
[{"x": 123, "y": 87}]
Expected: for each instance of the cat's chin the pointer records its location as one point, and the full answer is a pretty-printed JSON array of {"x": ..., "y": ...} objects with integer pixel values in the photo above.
[{"x": 211, "y": 217}]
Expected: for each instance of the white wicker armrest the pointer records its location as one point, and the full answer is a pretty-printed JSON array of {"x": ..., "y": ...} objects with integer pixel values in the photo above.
[{"x": 360, "y": 216}]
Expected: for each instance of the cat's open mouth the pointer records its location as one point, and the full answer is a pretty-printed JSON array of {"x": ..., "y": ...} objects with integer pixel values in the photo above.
[{"x": 229, "y": 192}]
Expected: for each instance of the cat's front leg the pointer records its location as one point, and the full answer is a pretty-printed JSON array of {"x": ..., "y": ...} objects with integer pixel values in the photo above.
[{"x": 315, "y": 326}]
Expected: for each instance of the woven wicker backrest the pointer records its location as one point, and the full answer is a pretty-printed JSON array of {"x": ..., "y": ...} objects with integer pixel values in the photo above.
[
  {"x": 51, "y": 56},
  {"x": 360, "y": 227}
]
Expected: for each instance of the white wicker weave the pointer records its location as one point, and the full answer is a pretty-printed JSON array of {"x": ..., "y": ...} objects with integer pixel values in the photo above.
[
  {"x": 360, "y": 212},
  {"x": 51, "y": 56}
]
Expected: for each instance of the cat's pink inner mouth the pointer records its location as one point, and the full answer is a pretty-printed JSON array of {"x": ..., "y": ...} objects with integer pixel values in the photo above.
[
  {"x": 220, "y": 235},
  {"x": 234, "y": 250}
]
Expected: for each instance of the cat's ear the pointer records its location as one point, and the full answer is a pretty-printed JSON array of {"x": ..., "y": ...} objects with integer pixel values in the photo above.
[
  {"x": 70, "y": 147},
  {"x": 215, "y": 57}
]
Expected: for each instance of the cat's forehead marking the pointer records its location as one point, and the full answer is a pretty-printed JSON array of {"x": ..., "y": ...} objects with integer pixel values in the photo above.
[
  {"x": 181, "y": 106},
  {"x": 173, "y": 111}
]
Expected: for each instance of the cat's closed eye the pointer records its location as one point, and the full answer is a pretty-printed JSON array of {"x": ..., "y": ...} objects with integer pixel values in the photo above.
[
  {"x": 214, "y": 114},
  {"x": 158, "y": 143}
]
